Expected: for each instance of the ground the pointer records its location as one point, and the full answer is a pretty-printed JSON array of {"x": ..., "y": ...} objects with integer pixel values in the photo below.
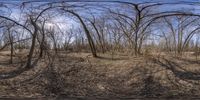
[{"x": 108, "y": 76}]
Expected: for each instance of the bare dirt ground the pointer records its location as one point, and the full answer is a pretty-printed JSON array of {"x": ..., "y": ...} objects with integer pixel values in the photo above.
[{"x": 118, "y": 76}]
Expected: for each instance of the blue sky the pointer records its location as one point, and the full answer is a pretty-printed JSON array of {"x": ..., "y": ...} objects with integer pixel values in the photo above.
[
  {"x": 107, "y": 0},
  {"x": 196, "y": 9}
]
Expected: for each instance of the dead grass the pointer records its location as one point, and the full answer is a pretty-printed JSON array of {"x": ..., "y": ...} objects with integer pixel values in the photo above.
[{"x": 108, "y": 76}]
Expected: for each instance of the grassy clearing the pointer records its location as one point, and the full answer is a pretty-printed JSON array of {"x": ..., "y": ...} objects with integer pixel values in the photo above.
[{"x": 79, "y": 74}]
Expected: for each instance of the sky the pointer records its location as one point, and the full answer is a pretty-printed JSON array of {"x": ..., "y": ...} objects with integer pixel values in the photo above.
[
  {"x": 136, "y": 1},
  {"x": 196, "y": 9}
]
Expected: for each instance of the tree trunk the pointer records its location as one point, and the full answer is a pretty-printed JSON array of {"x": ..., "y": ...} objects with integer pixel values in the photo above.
[
  {"x": 11, "y": 46},
  {"x": 90, "y": 40},
  {"x": 34, "y": 35}
]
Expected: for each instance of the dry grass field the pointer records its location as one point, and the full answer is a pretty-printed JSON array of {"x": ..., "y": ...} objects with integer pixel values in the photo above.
[{"x": 81, "y": 75}]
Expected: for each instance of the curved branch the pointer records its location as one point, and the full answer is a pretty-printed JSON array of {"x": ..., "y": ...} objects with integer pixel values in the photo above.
[{"x": 9, "y": 19}]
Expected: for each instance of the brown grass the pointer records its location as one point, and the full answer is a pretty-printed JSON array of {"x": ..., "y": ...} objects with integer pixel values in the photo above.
[{"x": 79, "y": 74}]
